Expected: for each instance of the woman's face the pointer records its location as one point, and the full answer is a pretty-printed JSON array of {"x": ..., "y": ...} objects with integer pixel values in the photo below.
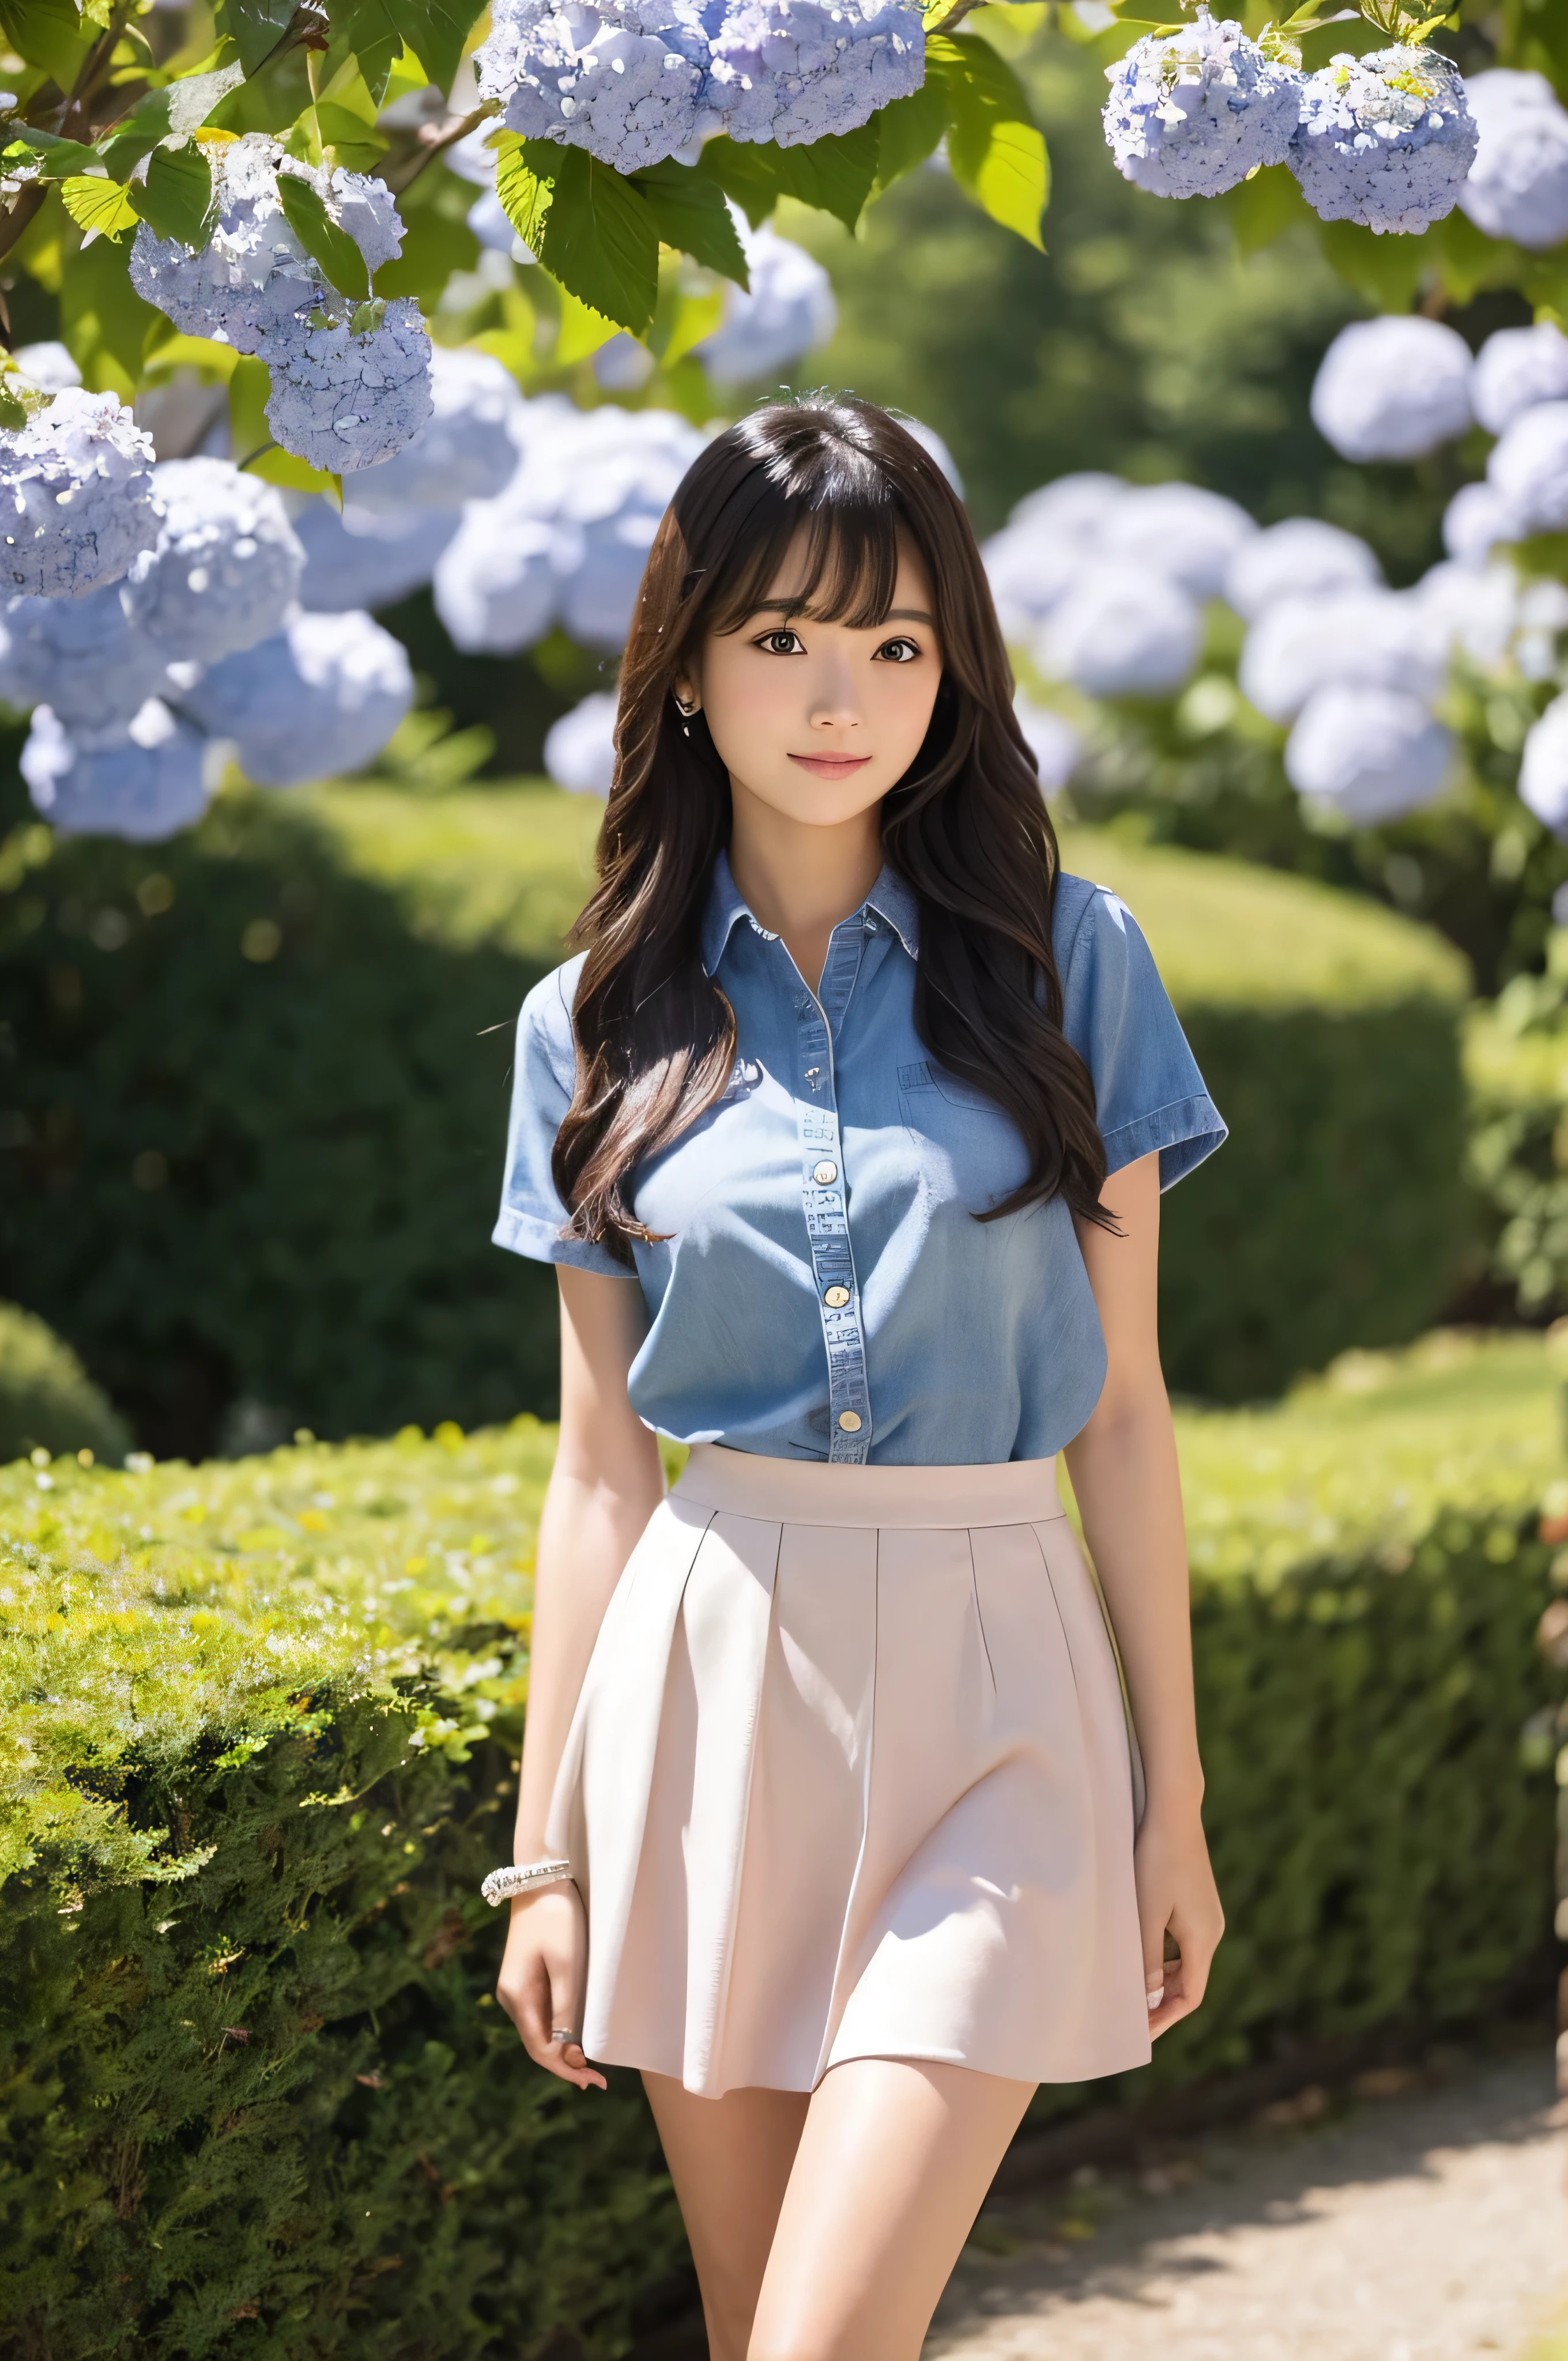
[{"x": 820, "y": 719}]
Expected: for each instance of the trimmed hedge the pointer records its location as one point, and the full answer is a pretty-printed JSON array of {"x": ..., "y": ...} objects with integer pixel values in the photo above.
[
  {"x": 47, "y": 1403},
  {"x": 255, "y": 1099},
  {"x": 257, "y": 1725},
  {"x": 1336, "y": 1213}
]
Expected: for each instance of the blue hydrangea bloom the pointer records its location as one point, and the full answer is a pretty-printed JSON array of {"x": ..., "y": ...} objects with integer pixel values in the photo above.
[
  {"x": 1121, "y": 631},
  {"x": 1385, "y": 140},
  {"x": 786, "y": 313},
  {"x": 1518, "y": 186},
  {"x": 1300, "y": 558},
  {"x": 580, "y": 749},
  {"x": 1192, "y": 111},
  {"x": 79, "y": 657},
  {"x": 1516, "y": 369},
  {"x": 225, "y": 568},
  {"x": 1529, "y": 470},
  {"x": 141, "y": 782},
  {"x": 1393, "y": 388},
  {"x": 346, "y": 395},
  {"x": 365, "y": 559},
  {"x": 1370, "y": 753},
  {"x": 320, "y": 699},
  {"x": 794, "y": 70},
  {"x": 1543, "y": 773},
  {"x": 77, "y": 499}
]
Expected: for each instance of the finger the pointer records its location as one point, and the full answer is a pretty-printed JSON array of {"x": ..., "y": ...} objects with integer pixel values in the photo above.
[{"x": 565, "y": 2038}]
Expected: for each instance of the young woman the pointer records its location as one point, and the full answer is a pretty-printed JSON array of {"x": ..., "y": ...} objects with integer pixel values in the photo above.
[{"x": 846, "y": 1131}]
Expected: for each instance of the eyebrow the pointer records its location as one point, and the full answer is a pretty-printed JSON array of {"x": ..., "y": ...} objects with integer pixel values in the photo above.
[{"x": 894, "y": 614}]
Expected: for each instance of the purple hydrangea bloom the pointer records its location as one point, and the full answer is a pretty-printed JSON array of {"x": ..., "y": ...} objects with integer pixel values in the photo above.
[
  {"x": 1393, "y": 388},
  {"x": 1370, "y": 753},
  {"x": 1385, "y": 140},
  {"x": 320, "y": 699},
  {"x": 1193, "y": 111},
  {"x": 1518, "y": 186},
  {"x": 77, "y": 499},
  {"x": 142, "y": 782},
  {"x": 227, "y": 566}
]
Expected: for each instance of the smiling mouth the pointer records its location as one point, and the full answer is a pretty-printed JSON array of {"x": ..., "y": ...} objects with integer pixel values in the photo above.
[{"x": 831, "y": 766}]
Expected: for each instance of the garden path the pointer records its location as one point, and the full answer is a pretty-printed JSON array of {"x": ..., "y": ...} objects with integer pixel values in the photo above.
[{"x": 1424, "y": 2219}]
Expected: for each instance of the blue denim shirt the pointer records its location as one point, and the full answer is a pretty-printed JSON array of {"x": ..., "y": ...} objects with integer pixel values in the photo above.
[{"x": 825, "y": 1292}]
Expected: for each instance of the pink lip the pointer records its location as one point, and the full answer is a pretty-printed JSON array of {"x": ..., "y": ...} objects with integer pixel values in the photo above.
[{"x": 831, "y": 766}]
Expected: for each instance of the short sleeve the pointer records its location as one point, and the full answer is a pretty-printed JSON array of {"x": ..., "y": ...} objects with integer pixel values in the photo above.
[
  {"x": 1149, "y": 1095},
  {"x": 532, "y": 1217}
]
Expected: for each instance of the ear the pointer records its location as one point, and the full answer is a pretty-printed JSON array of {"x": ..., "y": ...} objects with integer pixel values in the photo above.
[{"x": 687, "y": 696}]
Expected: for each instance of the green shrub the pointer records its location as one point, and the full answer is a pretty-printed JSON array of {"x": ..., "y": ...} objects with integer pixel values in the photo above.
[
  {"x": 253, "y": 1129},
  {"x": 1517, "y": 1063},
  {"x": 47, "y": 1403},
  {"x": 257, "y": 1725}
]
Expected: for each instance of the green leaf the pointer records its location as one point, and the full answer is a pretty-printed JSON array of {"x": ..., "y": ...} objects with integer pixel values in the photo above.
[
  {"x": 434, "y": 246},
  {"x": 255, "y": 27},
  {"x": 173, "y": 113},
  {"x": 104, "y": 323},
  {"x": 600, "y": 238},
  {"x": 1353, "y": 38},
  {"x": 176, "y": 198},
  {"x": 910, "y": 131},
  {"x": 581, "y": 332},
  {"x": 1265, "y": 207},
  {"x": 836, "y": 175},
  {"x": 355, "y": 145},
  {"x": 319, "y": 236},
  {"x": 56, "y": 160},
  {"x": 525, "y": 198},
  {"x": 1387, "y": 271},
  {"x": 99, "y": 207},
  {"x": 996, "y": 150},
  {"x": 435, "y": 30},
  {"x": 691, "y": 213},
  {"x": 272, "y": 100},
  {"x": 50, "y": 34},
  {"x": 13, "y": 411}
]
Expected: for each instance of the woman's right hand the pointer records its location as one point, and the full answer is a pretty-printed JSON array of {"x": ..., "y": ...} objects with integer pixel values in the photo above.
[{"x": 543, "y": 1978}]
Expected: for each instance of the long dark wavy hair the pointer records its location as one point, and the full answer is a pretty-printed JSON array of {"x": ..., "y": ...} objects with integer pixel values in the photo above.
[{"x": 966, "y": 826}]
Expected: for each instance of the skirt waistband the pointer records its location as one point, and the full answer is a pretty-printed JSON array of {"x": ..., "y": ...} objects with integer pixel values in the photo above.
[{"x": 815, "y": 1492}]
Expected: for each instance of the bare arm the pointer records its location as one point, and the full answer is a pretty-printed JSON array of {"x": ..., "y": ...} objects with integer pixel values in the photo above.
[
  {"x": 605, "y": 1483},
  {"x": 1128, "y": 1487}
]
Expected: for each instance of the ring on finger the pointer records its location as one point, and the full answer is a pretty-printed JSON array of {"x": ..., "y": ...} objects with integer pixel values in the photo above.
[{"x": 562, "y": 2033}]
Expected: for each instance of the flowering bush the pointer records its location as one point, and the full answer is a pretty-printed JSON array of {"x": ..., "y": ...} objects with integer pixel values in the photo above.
[{"x": 1194, "y": 111}]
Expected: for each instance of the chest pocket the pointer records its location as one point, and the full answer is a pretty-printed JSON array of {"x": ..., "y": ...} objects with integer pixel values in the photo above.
[{"x": 971, "y": 1151}]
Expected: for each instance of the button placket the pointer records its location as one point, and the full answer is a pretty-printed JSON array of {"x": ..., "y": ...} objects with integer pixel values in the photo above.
[{"x": 824, "y": 1201}]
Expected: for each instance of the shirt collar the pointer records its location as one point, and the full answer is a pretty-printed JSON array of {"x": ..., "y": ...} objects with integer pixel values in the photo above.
[{"x": 889, "y": 897}]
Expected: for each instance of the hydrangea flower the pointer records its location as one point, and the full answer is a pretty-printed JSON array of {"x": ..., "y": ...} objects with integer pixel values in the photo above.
[
  {"x": 1122, "y": 631},
  {"x": 1393, "y": 388},
  {"x": 1371, "y": 753},
  {"x": 931, "y": 443},
  {"x": 1518, "y": 186},
  {"x": 1054, "y": 743},
  {"x": 320, "y": 699},
  {"x": 580, "y": 749},
  {"x": 1543, "y": 773},
  {"x": 77, "y": 499},
  {"x": 569, "y": 536},
  {"x": 795, "y": 70},
  {"x": 467, "y": 448},
  {"x": 1475, "y": 521},
  {"x": 788, "y": 311},
  {"x": 227, "y": 566},
  {"x": 143, "y": 782},
  {"x": 1542, "y": 618},
  {"x": 1385, "y": 140},
  {"x": 1529, "y": 470},
  {"x": 79, "y": 657},
  {"x": 1476, "y": 613},
  {"x": 350, "y": 386},
  {"x": 1302, "y": 558},
  {"x": 1371, "y": 639},
  {"x": 635, "y": 81},
  {"x": 622, "y": 78},
  {"x": 48, "y": 366},
  {"x": 1044, "y": 546},
  {"x": 365, "y": 559},
  {"x": 1516, "y": 369},
  {"x": 1192, "y": 111},
  {"x": 253, "y": 275},
  {"x": 1187, "y": 534}
]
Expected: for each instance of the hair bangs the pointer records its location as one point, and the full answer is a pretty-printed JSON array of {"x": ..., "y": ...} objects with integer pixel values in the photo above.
[{"x": 838, "y": 516}]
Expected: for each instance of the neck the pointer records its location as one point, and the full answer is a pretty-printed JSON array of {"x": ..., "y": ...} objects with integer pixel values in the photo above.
[{"x": 798, "y": 882}]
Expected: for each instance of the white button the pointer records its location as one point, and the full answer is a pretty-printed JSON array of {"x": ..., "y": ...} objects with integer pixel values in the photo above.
[
  {"x": 836, "y": 1298},
  {"x": 825, "y": 1175},
  {"x": 850, "y": 1419}
]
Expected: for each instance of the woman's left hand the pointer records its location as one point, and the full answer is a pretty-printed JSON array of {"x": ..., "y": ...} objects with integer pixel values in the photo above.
[{"x": 1179, "y": 1910}]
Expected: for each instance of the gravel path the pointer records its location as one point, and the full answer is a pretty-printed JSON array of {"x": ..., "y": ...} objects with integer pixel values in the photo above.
[{"x": 1425, "y": 2219}]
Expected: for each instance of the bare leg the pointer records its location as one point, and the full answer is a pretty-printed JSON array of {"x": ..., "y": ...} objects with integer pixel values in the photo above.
[
  {"x": 892, "y": 2168},
  {"x": 730, "y": 2160}
]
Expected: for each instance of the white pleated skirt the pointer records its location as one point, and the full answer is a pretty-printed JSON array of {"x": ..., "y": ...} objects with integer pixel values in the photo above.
[{"x": 851, "y": 1775}]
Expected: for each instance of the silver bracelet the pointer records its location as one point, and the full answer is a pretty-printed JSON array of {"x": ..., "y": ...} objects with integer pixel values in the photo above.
[{"x": 525, "y": 1878}]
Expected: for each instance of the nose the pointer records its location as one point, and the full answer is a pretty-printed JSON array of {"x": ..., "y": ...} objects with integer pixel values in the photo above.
[{"x": 835, "y": 702}]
